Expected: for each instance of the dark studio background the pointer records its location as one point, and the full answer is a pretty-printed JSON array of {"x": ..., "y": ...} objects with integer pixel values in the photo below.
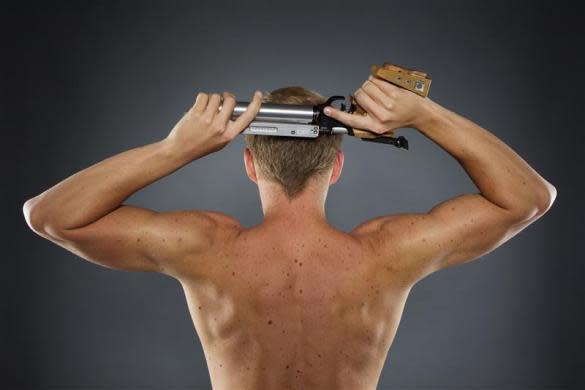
[{"x": 81, "y": 82}]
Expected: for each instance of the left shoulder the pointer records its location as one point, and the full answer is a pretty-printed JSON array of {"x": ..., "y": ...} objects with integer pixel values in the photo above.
[
  {"x": 224, "y": 226},
  {"x": 200, "y": 217},
  {"x": 194, "y": 237},
  {"x": 213, "y": 227},
  {"x": 135, "y": 239},
  {"x": 223, "y": 220}
]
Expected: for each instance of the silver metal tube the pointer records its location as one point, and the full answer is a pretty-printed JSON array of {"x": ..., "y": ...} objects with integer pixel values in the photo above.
[{"x": 272, "y": 112}]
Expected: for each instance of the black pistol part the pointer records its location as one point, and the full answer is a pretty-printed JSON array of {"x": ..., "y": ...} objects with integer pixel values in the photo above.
[
  {"x": 325, "y": 122},
  {"x": 399, "y": 142}
]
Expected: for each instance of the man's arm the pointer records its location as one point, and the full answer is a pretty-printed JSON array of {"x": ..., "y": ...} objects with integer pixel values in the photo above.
[
  {"x": 84, "y": 213},
  {"x": 511, "y": 195}
]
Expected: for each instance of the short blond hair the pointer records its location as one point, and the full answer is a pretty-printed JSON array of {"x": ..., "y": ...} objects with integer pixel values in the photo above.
[{"x": 291, "y": 161}]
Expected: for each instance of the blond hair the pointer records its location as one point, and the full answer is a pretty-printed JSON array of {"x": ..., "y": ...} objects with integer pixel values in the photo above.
[{"x": 292, "y": 161}]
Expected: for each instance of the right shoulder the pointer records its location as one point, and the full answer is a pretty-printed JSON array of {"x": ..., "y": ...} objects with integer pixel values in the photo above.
[
  {"x": 387, "y": 239},
  {"x": 388, "y": 226},
  {"x": 453, "y": 232}
]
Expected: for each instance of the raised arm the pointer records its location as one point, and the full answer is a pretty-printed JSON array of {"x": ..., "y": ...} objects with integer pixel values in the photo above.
[
  {"x": 511, "y": 196},
  {"x": 85, "y": 215}
]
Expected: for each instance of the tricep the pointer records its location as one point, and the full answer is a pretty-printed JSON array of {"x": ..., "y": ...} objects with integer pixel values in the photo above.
[
  {"x": 136, "y": 239},
  {"x": 455, "y": 231}
]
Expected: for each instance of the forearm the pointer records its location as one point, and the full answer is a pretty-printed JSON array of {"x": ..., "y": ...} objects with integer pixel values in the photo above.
[
  {"x": 500, "y": 174},
  {"x": 95, "y": 191}
]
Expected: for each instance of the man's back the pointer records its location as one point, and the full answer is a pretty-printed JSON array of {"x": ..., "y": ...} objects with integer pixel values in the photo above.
[{"x": 276, "y": 308}]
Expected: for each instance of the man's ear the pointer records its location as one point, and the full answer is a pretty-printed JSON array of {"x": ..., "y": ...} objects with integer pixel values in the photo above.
[
  {"x": 337, "y": 167},
  {"x": 249, "y": 164}
]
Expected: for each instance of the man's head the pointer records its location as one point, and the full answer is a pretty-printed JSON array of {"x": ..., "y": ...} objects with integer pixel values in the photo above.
[{"x": 294, "y": 163}]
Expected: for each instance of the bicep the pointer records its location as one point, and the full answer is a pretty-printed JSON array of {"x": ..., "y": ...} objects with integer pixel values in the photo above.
[
  {"x": 453, "y": 232},
  {"x": 137, "y": 239}
]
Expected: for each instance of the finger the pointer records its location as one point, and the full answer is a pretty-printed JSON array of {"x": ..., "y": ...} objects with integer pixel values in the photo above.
[
  {"x": 235, "y": 127},
  {"x": 353, "y": 120},
  {"x": 212, "y": 106},
  {"x": 370, "y": 105},
  {"x": 200, "y": 102},
  {"x": 387, "y": 87},
  {"x": 378, "y": 95},
  {"x": 227, "y": 108}
]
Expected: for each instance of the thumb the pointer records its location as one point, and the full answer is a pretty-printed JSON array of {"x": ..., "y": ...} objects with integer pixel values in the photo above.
[
  {"x": 330, "y": 111},
  {"x": 356, "y": 121}
]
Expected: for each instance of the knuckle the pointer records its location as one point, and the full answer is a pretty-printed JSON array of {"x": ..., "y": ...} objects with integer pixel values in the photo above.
[
  {"x": 379, "y": 128},
  {"x": 386, "y": 117},
  {"x": 228, "y": 97},
  {"x": 207, "y": 120},
  {"x": 218, "y": 128}
]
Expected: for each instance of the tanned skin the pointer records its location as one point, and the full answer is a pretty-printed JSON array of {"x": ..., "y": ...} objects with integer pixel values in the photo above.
[{"x": 293, "y": 303}]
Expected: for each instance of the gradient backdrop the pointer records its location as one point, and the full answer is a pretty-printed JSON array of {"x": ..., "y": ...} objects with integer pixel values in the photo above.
[{"x": 82, "y": 82}]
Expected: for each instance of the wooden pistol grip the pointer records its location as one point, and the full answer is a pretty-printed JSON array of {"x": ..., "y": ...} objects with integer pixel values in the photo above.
[
  {"x": 359, "y": 133},
  {"x": 412, "y": 80}
]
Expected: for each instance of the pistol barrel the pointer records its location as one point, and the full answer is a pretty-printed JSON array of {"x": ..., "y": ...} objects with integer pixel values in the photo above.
[{"x": 272, "y": 112}]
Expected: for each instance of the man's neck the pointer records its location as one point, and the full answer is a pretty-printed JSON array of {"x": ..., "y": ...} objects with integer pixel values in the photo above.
[
  {"x": 306, "y": 208},
  {"x": 295, "y": 214}
]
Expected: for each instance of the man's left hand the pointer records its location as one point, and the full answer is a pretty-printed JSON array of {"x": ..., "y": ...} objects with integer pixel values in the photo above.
[{"x": 205, "y": 129}]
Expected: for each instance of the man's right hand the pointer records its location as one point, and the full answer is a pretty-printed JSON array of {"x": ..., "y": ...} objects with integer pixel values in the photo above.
[{"x": 388, "y": 107}]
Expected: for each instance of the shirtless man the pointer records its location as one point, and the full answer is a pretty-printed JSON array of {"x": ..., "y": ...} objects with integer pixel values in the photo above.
[{"x": 293, "y": 303}]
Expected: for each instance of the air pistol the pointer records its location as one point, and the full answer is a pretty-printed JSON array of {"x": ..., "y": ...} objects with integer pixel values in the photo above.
[{"x": 309, "y": 121}]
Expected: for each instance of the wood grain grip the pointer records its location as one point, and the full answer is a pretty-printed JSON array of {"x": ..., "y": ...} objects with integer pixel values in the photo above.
[
  {"x": 409, "y": 79},
  {"x": 412, "y": 80},
  {"x": 368, "y": 134}
]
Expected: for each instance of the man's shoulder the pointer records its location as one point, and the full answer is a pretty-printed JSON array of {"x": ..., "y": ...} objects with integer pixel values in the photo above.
[
  {"x": 198, "y": 232},
  {"x": 222, "y": 220},
  {"x": 390, "y": 234},
  {"x": 201, "y": 216},
  {"x": 204, "y": 227},
  {"x": 385, "y": 224}
]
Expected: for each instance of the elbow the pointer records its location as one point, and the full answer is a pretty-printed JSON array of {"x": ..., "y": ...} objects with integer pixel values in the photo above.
[
  {"x": 34, "y": 217},
  {"x": 547, "y": 198},
  {"x": 541, "y": 202}
]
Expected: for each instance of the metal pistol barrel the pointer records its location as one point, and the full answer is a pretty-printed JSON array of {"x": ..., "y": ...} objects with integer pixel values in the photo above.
[{"x": 272, "y": 112}]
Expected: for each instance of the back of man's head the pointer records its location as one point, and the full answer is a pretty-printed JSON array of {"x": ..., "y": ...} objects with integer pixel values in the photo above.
[{"x": 291, "y": 161}]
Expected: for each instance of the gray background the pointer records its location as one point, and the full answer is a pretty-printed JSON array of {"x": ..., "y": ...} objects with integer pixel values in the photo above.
[{"x": 82, "y": 82}]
